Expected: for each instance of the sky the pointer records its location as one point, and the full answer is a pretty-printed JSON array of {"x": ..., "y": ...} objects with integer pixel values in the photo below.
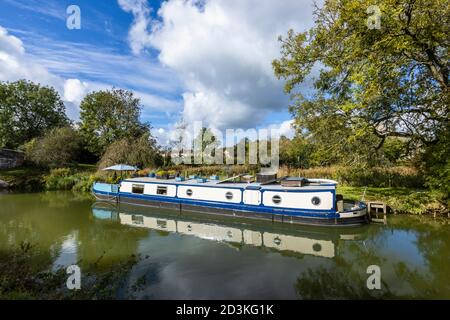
[{"x": 196, "y": 60}]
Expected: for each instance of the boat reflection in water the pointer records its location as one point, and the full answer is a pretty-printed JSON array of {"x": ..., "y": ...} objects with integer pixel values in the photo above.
[{"x": 314, "y": 241}]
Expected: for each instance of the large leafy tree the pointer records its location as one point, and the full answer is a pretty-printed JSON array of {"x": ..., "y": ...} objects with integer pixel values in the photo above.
[
  {"x": 374, "y": 83},
  {"x": 108, "y": 116},
  {"x": 27, "y": 111}
]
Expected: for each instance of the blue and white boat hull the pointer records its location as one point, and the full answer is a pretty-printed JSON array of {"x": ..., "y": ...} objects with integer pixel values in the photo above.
[{"x": 314, "y": 205}]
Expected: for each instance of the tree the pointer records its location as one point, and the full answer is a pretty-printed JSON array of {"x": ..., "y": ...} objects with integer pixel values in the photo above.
[
  {"x": 436, "y": 165},
  {"x": 141, "y": 152},
  {"x": 60, "y": 147},
  {"x": 179, "y": 145},
  {"x": 373, "y": 83},
  {"x": 109, "y": 116},
  {"x": 394, "y": 150},
  {"x": 27, "y": 111},
  {"x": 205, "y": 146},
  {"x": 295, "y": 152}
]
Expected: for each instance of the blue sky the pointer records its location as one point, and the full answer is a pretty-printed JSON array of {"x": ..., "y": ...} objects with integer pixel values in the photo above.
[{"x": 207, "y": 60}]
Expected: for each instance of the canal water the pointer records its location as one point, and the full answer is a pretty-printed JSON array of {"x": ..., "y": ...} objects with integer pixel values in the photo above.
[{"x": 192, "y": 256}]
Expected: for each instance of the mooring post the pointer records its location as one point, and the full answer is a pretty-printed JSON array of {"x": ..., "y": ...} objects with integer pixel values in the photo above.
[{"x": 376, "y": 206}]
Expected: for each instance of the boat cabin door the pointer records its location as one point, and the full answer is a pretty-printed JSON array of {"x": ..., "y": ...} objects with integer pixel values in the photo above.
[{"x": 252, "y": 197}]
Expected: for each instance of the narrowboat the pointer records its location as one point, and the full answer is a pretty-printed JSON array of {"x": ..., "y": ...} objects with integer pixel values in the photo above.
[{"x": 286, "y": 200}]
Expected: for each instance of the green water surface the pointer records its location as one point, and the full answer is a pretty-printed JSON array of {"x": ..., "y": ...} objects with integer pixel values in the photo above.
[{"x": 192, "y": 256}]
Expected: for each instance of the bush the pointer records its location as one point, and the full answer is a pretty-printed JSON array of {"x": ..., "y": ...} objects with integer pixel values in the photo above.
[
  {"x": 143, "y": 173},
  {"x": 223, "y": 171},
  {"x": 360, "y": 176},
  {"x": 436, "y": 167},
  {"x": 66, "y": 179},
  {"x": 60, "y": 179},
  {"x": 161, "y": 173},
  {"x": 60, "y": 147},
  {"x": 61, "y": 172},
  {"x": 85, "y": 183},
  {"x": 141, "y": 152}
]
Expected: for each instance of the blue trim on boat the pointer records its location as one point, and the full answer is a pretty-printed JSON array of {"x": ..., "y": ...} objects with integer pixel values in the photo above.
[
  {"x": 222, "y": 185},
  {"x": 325, "y": 214},
  {"x": 241, "y": 203}
]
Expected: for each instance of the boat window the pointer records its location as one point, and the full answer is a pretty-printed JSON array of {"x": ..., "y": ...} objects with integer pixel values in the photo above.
[
  {"x": 161, "y": 190},
  {"x": 137, "y": 188},
  {"x": 315, "y": 201},
  {"x": 229, "y": 195},
  {"x": 277, "y": 241},
  {"x": 161, "y": 224},
  {"x": 276, "y": 199},
  {"x": 137, "y": 219},
  {"x": 317, "y": 247},
  {"x": 189, "y": 192}
]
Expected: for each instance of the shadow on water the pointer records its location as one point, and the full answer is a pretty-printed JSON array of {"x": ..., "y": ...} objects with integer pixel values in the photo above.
[{"x": 184, "y": 255}]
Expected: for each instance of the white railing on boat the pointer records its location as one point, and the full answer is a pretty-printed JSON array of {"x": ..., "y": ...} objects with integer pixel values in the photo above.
[{"x": 322, "y": 181}]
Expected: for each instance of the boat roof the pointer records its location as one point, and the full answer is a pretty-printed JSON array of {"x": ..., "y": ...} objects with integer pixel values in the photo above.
[{"x": 313, "y": 184}]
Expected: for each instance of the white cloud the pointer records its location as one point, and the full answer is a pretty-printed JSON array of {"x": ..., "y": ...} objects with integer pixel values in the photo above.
[
  {"x": 138, "y": 35},
  {"x": 48, "y": 8},
  {"x": 60, "y": 64},
  {"x": 75, "y": 90},
  {"x": 222, "y": 50},
  {"x": 284, "y": 128},
  {"x": 17, "y": 64},
  {"x": 102, "y": 65},
  {"x": 153, "y": 102}
]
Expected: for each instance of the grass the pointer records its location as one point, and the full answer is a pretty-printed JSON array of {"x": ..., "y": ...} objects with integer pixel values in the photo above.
[
  {"x": 20, "y": 171},
  {"x": 24, "y": 178},
  {"x": 399, "y": 200},
  {"x": 30, "y": 179},
  {"x": 17, "y": 172}
]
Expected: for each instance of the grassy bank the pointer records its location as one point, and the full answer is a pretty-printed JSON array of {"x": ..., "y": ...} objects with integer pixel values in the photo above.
[
  {"x": 401, "y": 188},
  {"x": 399, "y": 200},
  {"x": 31, "y": 179},
  {"x": 24, "y": 178}
]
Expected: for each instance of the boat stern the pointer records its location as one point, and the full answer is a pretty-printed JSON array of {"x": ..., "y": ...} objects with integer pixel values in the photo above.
[
  {"x": 352, "y": 212},
  {"x": 105, "y": 191}
]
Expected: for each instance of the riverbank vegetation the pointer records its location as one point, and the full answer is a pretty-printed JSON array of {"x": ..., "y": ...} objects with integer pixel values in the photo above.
[
  {"x": 377, "y": 117},
  {"x": 401, "y": 188}
]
